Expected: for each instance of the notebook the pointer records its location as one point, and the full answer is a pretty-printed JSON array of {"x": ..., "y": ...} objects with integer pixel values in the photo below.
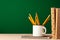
[
  {"x": 53, "y": 22},
  {"x": 58, "y": 23}
]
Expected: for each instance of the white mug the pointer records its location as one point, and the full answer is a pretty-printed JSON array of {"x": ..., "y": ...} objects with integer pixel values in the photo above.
[{"x": 38, "y": 30}]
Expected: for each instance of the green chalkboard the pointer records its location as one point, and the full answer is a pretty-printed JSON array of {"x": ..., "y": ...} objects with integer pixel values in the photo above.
[{"x": 14, "y": 14}]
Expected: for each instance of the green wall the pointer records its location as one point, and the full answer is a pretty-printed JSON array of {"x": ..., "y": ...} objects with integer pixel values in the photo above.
[{"x": 14, "y": 14}]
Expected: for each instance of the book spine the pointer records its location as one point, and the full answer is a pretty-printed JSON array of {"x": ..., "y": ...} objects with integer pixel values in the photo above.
[
  {"x": 57, "y": 23},
  {"x": 53, "y": 22}
]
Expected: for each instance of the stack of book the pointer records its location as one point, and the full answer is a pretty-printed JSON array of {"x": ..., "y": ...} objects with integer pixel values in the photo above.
[{"x": 55, "y": 22}]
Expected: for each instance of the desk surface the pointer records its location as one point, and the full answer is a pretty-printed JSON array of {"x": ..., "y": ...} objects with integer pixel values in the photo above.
[{"x": 15, "y": 37}]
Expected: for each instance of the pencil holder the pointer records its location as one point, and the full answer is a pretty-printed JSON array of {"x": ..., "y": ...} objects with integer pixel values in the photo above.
[{"x": 38, "y": 30}]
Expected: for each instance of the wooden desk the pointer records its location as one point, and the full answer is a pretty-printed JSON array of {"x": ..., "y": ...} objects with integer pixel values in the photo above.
[{"x": 16, "y": 37}]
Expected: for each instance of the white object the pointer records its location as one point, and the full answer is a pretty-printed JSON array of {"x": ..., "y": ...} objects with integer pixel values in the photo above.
[{"x": 38, "y": 30}]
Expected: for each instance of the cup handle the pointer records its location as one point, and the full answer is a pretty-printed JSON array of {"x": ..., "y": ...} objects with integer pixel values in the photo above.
[{"x": 44, "y": 29}]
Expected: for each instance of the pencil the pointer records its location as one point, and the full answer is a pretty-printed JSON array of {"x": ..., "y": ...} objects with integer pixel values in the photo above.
[
  {"x": 36, "y": 19},
  {"x": 46, "y": 20},
  {"x": 31, "y": 19}
]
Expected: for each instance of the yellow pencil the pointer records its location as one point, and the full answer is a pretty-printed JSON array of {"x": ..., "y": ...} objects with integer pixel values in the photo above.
[
  {"x": 31, "y": 19},
  {"x": 36, "y": 19},
  {"x": 46, "y": 20}
]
